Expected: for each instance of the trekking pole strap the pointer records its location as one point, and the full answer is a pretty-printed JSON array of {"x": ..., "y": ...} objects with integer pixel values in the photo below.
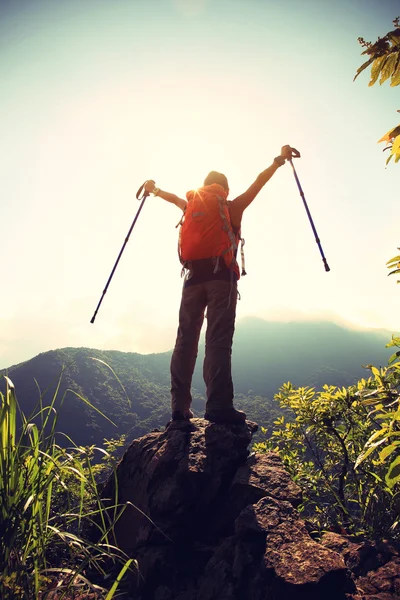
[
  {"x": 140, "y": 194},
  {"x": 242, "y": 243}
]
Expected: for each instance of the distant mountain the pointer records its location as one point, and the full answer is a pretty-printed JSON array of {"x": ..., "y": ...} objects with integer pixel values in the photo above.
[
  {"x": 135, "y": 393},
  {"x": 265, "y": 355}
]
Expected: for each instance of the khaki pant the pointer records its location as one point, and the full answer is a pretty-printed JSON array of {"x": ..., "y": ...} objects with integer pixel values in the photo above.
[{"x": 219, "y": 297}]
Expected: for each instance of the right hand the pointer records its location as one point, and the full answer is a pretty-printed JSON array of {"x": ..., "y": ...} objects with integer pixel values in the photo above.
[
  {"x": 286, "y": 152},
  {"x": 150, "y": 185}
]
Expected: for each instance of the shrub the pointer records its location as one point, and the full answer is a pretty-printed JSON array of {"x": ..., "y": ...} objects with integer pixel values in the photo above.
[{"x": 342, "y": 448}]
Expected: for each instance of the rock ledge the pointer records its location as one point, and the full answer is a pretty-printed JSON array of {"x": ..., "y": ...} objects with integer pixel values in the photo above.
[{"x": 208, "y": 520}]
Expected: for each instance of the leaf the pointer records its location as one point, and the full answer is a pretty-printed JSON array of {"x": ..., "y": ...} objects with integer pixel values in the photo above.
[
  {"x": 396, "y": 417},
  {"x": 395, "y": 341},
  {"x": 363, "y": 66},
  {"x": 86, "y": 401},
  {"x": 9, "y": 382},
  {"x": 377, "y": 434},
  {"x": 396, "y": 145},
  {"x": 393, "y": 474},
  {"x": 375, "y": 371},
  {"x": 394, "y": 357},
  {"x": 376, "y": 444},
  {"x": 390, "y": 135},
  {"x": 376, "y": 69},
  {"x": 388, "y": 69},
  {"x": 383, "y": 454},
  {"x": 119, "y": 577},
  {"x": 383, "y": 416},
  {"x": 363, "y": 456},
  {"x": 396, "y": 73},
  {"x": 116, "y": 377},
  {"x": 395, "y": 259}
]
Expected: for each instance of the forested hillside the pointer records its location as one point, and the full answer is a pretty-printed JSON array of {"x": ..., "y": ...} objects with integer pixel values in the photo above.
[
  {"x": 267, "y": 354},
  {"x": 133, "y": 391}
]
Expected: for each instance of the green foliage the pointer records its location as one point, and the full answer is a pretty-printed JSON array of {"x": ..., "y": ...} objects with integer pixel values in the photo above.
[
  {"x": 394, "y": 262},
  {"x": 41, "y": 547},
  {"x": 385, "y": 403},
  {"x": 343, "y": 453},
  {"x": 384, "y": 59}
]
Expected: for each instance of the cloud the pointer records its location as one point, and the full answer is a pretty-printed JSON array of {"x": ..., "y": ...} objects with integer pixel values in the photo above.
[
  {"x": 26, "y": 334},
  {"x": 136, "y": 330}
]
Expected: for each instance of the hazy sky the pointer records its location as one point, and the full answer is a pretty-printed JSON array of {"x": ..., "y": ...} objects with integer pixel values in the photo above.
[{"x": 98, "y": 95}]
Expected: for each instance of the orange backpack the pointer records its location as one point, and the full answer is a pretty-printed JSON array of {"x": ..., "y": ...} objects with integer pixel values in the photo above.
[{"x": 206, "y": 230}]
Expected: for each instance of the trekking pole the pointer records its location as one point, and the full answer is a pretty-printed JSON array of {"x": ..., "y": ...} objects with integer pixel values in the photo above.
[
  {"x": 296, "y": 154},
  {"x": 140, "y": 195}
]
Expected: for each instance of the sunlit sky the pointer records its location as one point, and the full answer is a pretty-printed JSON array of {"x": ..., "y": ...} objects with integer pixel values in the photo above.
[{"x": 97, "y": 96}]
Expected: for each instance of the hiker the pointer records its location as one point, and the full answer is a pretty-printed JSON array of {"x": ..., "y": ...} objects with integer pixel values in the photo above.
[{"x": 210, "y": 233}]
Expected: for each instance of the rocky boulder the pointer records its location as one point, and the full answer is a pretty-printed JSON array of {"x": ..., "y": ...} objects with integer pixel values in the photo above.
[
  {"x": 375, "y": 567},
  {"x": 209, "y": 520}
]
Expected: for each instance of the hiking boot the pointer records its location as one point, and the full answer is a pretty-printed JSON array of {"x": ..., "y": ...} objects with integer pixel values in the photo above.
[
  {"x": 182, "y": 415},
  {"x": 225, "y": 415}
]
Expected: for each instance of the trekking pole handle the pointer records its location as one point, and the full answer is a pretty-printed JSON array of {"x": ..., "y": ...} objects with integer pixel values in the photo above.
[
  {"x": 140, "y": 194},
  {"x": 295, "y": 153}
]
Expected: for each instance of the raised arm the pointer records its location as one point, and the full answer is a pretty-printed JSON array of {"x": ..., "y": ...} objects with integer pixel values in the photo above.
[
  {"x": 150, "y": 186},
  {"x": 243, "y": 201}
]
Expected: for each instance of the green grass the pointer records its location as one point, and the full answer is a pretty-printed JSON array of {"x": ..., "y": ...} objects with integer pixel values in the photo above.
[{"x": 49, "y": 500}]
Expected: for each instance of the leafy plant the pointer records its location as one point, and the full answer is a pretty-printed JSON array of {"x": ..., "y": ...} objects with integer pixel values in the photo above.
[
  {"x": 42, "y": 549},
  {"x": 328, "y": 448},
  {"x": 384, "y": 59},
  {"x": 394, "y": 263},
  {"x": 385, "y": 403}
]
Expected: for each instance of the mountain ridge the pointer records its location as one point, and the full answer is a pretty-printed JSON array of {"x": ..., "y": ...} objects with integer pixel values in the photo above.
[{"x": 133, "y": 391}]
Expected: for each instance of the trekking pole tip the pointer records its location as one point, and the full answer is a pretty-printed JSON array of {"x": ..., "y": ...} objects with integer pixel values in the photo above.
[
  {"x": 92, "y": 319},
  {"x": 327, "y": 267}
]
